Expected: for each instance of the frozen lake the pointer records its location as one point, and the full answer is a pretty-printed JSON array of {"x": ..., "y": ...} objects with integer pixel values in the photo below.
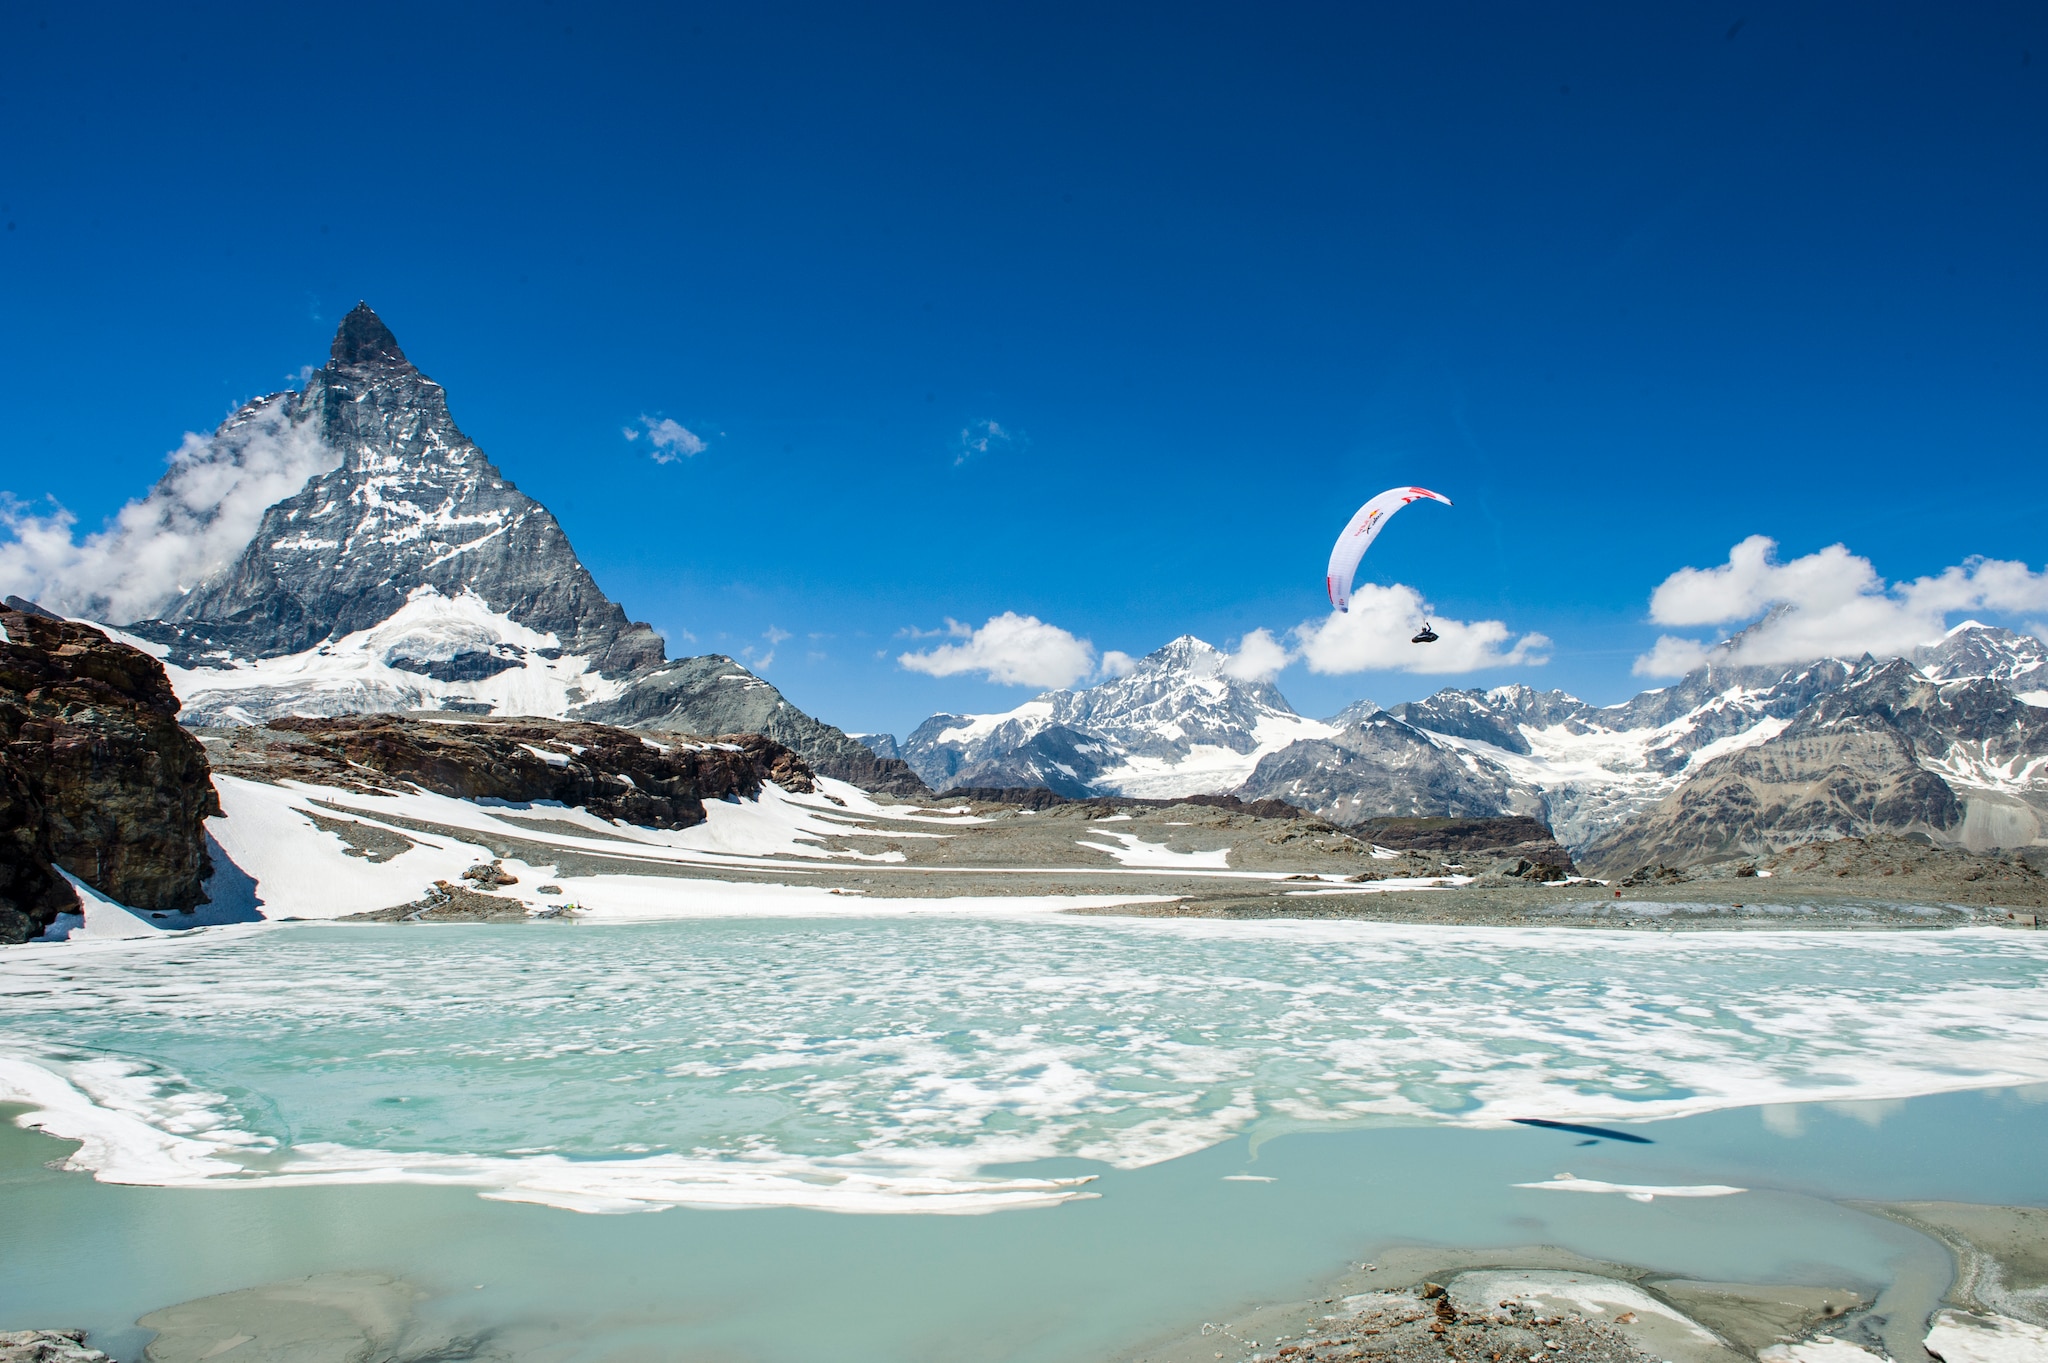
[{"x": 1161, "y": 1118}]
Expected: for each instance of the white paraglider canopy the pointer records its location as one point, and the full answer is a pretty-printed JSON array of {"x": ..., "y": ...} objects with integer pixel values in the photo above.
[{"x": 1362, "y": 531}]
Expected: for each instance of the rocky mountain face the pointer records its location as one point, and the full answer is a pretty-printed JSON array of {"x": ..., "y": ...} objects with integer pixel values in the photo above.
[
  {"x": 1177, "y": 724},
  {"x": 96, "y": 776},
  {"x": 1892, "y": 751},
  {"x": 413, "y": 575},
  {"x": 713, "y": 694},
  {"x": 1975, "y": 650},
  {"x": 613, "y": 773}
]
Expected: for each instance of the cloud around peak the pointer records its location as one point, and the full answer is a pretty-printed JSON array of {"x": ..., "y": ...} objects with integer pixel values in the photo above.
[
  {"x": 194, "y": 522},
  {"x": 1830, "y": 603}
]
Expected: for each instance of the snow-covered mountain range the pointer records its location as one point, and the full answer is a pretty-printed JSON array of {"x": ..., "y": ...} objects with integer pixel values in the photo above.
[
  {"x": 413, "y": 575},
  {"x": 407, "y": 573},
  {"x": 1179, "y": 725}
]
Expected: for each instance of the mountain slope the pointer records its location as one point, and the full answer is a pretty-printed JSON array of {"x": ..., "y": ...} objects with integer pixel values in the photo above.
[
  {"x": 713, "y": 694},
  {"x": 1380, "y": 766},
  {"x": 1961, "y": 762}
]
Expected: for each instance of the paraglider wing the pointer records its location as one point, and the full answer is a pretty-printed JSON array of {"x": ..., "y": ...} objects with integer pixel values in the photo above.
[{"x": 1362, "y": 531}]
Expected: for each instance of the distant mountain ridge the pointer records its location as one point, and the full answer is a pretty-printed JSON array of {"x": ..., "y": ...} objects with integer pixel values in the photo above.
[
  {"x": 1598, "y": 775},
  {"x": 413, "y": 575}
]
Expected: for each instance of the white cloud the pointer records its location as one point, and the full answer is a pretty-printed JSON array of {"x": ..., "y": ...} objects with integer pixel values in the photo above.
[
  {"x": 1116, "y": 663},
  {"x": 1259, "y": 657},
  {"x": 762, "y": 661},
  {"x": 1830, "y": 603},
  {"x": 195, "y": 521},
  {"x": 984, "y": 437},
  {"x": 1673, "y": 656},
  {"x": 671, "y": 439},
  {"x": 1374, "y": 637},
  {"x": 1013, "y": 649}
]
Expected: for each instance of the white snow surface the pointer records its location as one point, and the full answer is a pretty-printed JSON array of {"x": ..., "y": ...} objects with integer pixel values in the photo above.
[
  {"x": 356, "y": 673},
  {"x": 100, "y": 917},
  {"x": 1481, "y": 1293},
  {"x": 1134, "y": 851},
  {"x": 1958, "y": 1337},
  {"x": 305, "y": 872},
  {"x": 1635, "y": 1192}
]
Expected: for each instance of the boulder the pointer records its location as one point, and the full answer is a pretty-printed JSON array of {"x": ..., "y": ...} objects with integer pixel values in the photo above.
[{"x": 96, "y": 777}]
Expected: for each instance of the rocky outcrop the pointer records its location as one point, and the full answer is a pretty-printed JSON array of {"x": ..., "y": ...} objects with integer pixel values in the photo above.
[
  {"x": 96, "y": 777},
  {"x": 713, "y": 694},
  {"x": 615, "y": 774},
  {"x": 47, "y": 1346},
  {"x": 1497, "y": 850}
]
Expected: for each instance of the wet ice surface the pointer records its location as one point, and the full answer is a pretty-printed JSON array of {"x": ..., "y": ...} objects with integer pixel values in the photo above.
[{"x": 902, "y": 1065}]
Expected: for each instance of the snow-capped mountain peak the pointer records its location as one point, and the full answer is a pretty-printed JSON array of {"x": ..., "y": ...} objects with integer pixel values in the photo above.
[
  {"x": 1176, "y": 724},
  {"x": 406, "y": 572},
  {"x": 1973, "y": 649},
  {"x": 414, "y": 503}
]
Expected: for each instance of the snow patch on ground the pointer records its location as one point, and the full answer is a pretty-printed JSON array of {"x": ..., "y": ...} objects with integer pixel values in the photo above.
[
  {"x": 1135, "y": 852},
  {"x": 1959, "y": 1337}
]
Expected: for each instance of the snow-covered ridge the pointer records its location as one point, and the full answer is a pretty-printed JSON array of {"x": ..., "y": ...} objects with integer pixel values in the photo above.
[{"x": 381, "y": 669}]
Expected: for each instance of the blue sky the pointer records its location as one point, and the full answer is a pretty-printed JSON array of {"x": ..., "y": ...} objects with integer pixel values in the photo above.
[{"x": 1629, "y": 283}]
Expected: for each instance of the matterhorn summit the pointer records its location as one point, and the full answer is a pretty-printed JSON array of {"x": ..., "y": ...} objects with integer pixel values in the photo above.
[
  {"x": 413, "y": 575},
  {"x": 414, "y": 519}
]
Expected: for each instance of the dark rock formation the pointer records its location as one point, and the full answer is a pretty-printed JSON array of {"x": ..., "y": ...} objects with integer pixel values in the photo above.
[
  {"x": 713, "y": 694},
  {"x": 445, "y": 902},
  {"x": 615, "y": 774},
  {"x": 414, "y": 504},
  {"x": 1514, "y": 848},
  {"x": 96, "y": 777}
]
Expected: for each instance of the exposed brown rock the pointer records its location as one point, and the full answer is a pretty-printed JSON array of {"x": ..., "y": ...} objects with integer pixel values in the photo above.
[
  {"x": 96, "y": 777},
  {"x": 614, "y": 773}
]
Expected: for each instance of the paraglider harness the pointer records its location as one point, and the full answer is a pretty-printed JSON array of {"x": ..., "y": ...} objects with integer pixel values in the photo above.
[{"x": 1428, "y": 635}]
